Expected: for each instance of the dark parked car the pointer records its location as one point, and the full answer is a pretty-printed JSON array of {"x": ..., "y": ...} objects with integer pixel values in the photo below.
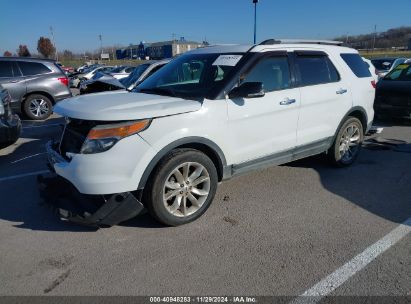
[
  {"x": 393, "y": 95},
  {"x": 35, "y": 85},
  {"x": 103, "y": 82},
  {"x": 10, "y": 125}
]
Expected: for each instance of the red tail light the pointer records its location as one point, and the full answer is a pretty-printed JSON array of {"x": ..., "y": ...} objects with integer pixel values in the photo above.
[
  {"x": 64, "y": 80},
  {"x": 374, "y": 85}
]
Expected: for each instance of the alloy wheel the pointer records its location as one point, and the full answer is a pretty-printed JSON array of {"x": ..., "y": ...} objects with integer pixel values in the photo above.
[
  {"x": 39, "y": 107},
  {"x": 186, "y": 189},
  {"x": 350, "y": 142}
]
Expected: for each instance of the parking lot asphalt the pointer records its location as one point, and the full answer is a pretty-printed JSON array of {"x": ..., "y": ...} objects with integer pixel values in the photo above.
[{"x": 278, "y": 231}]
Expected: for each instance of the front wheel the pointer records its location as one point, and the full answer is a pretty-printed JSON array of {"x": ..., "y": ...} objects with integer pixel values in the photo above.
[
  {"x": 181, "y": 187},
  {"x": 347, "y": 143}
]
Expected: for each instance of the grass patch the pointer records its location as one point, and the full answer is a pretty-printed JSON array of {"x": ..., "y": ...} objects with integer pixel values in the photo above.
[{"x": 376, "y": 54}]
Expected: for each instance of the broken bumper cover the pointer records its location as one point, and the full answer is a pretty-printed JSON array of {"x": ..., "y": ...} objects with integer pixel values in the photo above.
[{"x": 90, "y": 210}]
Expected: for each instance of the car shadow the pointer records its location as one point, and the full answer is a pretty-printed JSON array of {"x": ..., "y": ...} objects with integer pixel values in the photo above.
[
  {"x": 378, "y": 182},
  {"x": 144, "y": 220}
]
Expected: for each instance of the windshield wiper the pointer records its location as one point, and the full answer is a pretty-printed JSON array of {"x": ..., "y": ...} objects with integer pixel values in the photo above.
[{"x": 159, "y": 91}]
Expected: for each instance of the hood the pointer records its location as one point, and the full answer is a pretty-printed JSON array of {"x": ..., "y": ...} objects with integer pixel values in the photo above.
[{"x": 123, "y": 105}]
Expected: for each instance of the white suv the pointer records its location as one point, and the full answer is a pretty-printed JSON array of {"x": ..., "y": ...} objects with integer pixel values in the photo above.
[{"x": 211, "y": 114}]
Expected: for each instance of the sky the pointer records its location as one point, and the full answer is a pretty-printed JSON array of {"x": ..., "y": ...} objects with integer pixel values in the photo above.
[{"x": 77, "y": 24}]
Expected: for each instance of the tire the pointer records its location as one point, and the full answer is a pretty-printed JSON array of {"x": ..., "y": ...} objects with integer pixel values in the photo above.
[
  {"x": 37, "y": 107},
  {"x": 347, "y": 143},
  {"x": 182, "y": 191}
]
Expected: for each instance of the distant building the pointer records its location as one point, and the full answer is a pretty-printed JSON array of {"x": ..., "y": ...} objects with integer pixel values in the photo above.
[
  {"x": 157, "y": 50},
  {"x": 409, "y": 44},
  {"x": 169, "y": 49},
  {"x": 130, "y": 52}
]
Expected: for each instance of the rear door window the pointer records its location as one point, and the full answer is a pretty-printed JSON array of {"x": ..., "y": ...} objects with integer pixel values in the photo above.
[
  {"x": 33, "y": 68},
  {"x": 315, "y": 69},
  {"x": 357, "y": 65},
  {"x": 6, "y": 68}
]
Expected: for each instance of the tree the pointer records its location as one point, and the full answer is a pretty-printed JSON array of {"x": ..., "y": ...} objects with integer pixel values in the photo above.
[
  {"x": 7, "y": 54},
  {"x": 45, "y": 47},
  {"x": 68, "y": 54},
  {"x": 23, "y": 51}
]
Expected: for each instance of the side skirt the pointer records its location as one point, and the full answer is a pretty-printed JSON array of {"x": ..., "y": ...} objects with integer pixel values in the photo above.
[{"x": 280, "y": 158}]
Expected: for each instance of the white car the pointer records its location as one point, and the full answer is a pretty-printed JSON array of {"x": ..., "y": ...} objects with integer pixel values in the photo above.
[
  {"x": 209, "y": 115},
  {"x": 76, "y": 81},
  {"x": 371, "y": 68},
  {"x": 122, "y": 71}
]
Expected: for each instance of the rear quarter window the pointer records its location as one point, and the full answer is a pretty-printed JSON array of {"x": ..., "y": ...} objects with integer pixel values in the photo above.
[
  {"x": 358, "y": 66},
  {"x": 33, "y": 68}
]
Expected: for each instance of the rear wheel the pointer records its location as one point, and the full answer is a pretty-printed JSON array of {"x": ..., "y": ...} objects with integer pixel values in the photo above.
[
  {"x": 181, "y": 188},
  {"x": 37, "y": 107},
  {"x": 347, "y": 143}
]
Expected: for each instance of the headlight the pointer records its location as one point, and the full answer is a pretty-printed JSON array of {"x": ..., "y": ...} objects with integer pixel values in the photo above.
[{"x": 102, "y": 138}]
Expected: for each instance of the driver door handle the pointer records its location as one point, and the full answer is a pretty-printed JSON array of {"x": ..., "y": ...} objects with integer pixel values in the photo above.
[
  {"x": 287, "y": 102},
  {"x": 341, "y": 91}
]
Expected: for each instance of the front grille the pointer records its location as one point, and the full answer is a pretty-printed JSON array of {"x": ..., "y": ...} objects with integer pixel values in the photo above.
[{"x": 75, "y": 133}]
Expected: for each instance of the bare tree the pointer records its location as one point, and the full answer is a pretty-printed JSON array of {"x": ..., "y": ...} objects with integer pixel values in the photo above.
[
  {"x": 67, "y": 54},
  {"x": 23, "y": 51}
]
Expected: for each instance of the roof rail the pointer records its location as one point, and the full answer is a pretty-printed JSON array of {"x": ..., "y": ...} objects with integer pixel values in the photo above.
[{"x": 300, "y": 41}]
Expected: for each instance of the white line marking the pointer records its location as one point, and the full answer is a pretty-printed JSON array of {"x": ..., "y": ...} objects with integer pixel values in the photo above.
[
  {"x": 2, "y": 179},
  {"x": 342, "y": 274},
  {"x": 42, "y": 126},
  {"x": 27, "y": 157}
]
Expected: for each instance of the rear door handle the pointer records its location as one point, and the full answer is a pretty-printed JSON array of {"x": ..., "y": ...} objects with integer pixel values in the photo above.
[
  {"x": 14, "y": 81},
  {"x": 341, "y": 91},
  {"x": 287, "y": 102}
]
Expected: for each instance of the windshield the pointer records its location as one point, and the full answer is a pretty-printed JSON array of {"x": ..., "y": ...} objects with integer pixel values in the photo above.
[
  {"x": 382, "y": 64},
  {"x": 89, "y": 69},
  {"x": 401, "y": 73},
  {"x": 191, "y": 75},
  {"x": 135, "y": 75},
  {"x": 118, "y": 69}
]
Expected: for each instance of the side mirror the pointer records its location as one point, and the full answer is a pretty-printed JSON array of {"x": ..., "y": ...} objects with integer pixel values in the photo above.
[{"x": 248, "y": 90}]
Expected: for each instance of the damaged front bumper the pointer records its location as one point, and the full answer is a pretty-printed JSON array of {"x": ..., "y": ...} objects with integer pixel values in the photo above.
[{"x": 89, "y": 210}]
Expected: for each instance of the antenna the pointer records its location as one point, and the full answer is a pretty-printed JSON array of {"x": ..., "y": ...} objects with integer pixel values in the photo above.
[{"x": 56, "y": 56}]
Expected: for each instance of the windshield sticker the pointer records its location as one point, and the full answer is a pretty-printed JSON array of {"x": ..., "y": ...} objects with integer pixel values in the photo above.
[{"x": 228, "y": 60}]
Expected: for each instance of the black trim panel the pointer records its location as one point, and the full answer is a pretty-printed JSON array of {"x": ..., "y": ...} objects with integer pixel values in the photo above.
[
  {"x": 310, "y": 53},
  {"x": 283, "y": 157},
  {"x": 180, "y": 142},
  {"x": 352, "y": 110}
]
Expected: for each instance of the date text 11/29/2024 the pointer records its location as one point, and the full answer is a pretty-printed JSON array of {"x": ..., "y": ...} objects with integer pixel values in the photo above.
[{"x": 203, "y": 299}]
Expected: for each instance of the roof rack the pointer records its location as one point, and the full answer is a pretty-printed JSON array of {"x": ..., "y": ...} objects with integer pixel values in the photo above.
[{"x": 301, "y": 41}]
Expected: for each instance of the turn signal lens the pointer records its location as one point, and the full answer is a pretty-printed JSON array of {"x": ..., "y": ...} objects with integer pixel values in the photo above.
[
  {"x": 122, "y": 130},
  {"x": 104, "y": 137},
  {"x": 374, "y": 85}
]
